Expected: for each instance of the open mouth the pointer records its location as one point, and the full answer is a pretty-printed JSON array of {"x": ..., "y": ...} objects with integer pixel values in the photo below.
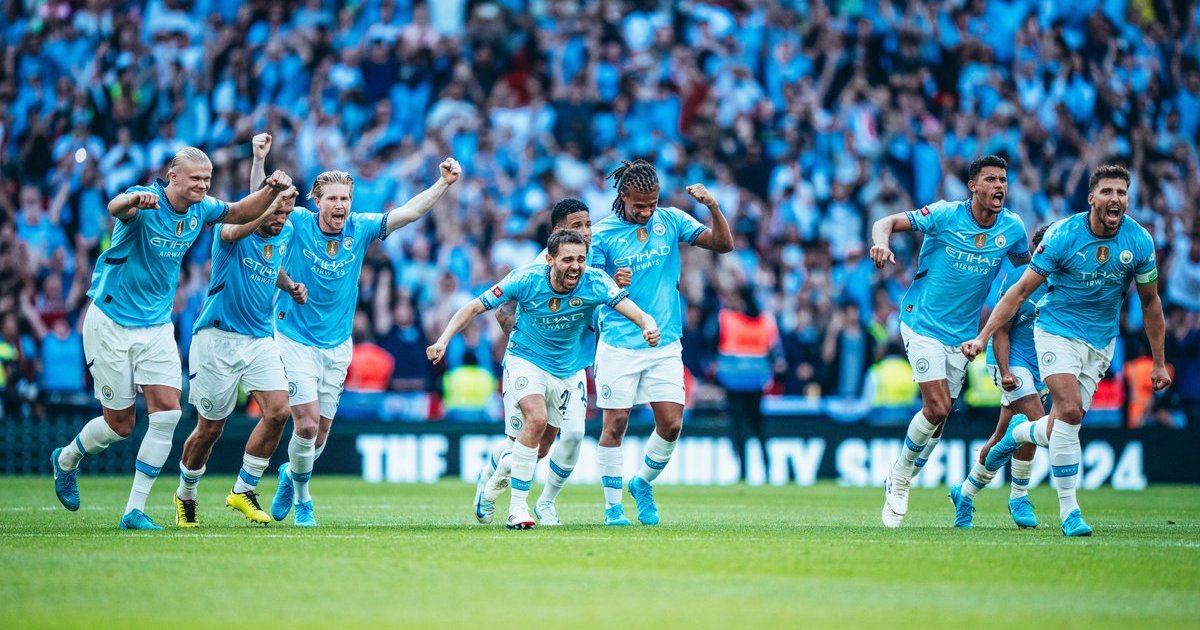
[
  {"x": 573, "y": 276},
  {"x": 1113, "y": 212},
  {"x": 998, "y": 199}
]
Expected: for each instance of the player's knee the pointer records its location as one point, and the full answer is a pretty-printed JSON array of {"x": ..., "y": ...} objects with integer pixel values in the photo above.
[
  {"x": 306, "y": 430},
  {"x": 275, "y": 415},
  {"x": 1069, "y": 412},
  {"x": 121, "y": 422},
  {"x": 937, "y": 410},
  {"x": 669, "y": 430}
]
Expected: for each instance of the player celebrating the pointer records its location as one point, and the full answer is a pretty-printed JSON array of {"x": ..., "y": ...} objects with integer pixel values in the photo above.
[
  {"x": 638, "y": 244},
  {"x": 1090, "y": 258},
  {"x": 544, "y": 371},
  {"x": 965, "y": 243},
  {"x": 233, "y": 343},
  {"x": 568, "y": 214},
  {"x": 327, "y": 252},
  {"x": 128, "y": 337},
  {"x": 1012, "y": 360}
]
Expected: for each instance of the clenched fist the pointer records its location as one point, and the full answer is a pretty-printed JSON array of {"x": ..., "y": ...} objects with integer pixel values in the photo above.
[
  {"x": 261, "y": 145},
  {"x": 279, "y": 181},
  {"x": 143, "y": 200},
  {"x": 701, "y": 194},
  {"x": 451, "y": 170}
]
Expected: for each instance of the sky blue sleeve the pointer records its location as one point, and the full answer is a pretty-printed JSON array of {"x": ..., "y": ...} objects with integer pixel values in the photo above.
[
  {"x": 928, "y": 219},
  {"x": 507, "y": 289},
  {"x": 689, "y": 229},
  {"x": 1146, "y": 271},
  {"x": 606, "y": 291},
  {"x": 1020, "y": 246},
  {"x": 214, "y": 210},
  {"x": 372, "y": 226}
]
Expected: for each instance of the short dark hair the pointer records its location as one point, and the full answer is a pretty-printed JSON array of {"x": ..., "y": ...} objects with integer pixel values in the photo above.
[
  {"x": 564, "y": 209},
  {"x": 1108, "y": 171},
  {"x": 563, "y": 237},
  {"x": 978, "y": 164},
  {"x": 1037, "y": 236}
]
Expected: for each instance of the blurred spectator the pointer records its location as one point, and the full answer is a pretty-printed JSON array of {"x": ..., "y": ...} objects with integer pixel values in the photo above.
[
  {"x": 746, "y": 353},
  {"x": 467, "y": 391},
  {"x": 370, "y": 366}
]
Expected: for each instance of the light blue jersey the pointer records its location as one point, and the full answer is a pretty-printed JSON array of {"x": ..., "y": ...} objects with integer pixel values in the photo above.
[
  {"x": 550, "y": 326},
  {"x": 958, "y": 261},
  {"x": 134, "y": 281},
  {"x": 1020, "y": 335},
  {"x": 589, "y": 335},
  {"x": 329, "y": 265},
  {"x": 241, "y": 289},
  {"x": 652, "y": 251},
  {"x": 1089, "y": 275}
]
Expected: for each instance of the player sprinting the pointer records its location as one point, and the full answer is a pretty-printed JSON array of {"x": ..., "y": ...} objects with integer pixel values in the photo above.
[
  {"x": 544, "y": 370},
  {"x": 233, "y": 344},
  {"x": 1012, "y": 360},
  {"x": 568, "y": 214},
  {"x": 327, "y": 252},
  {"x": 965, "y": 243},
  {"x": 128, "y": 337},
  {"x": 1090, "y": 259},
  {"x": 638, "y": 243}
]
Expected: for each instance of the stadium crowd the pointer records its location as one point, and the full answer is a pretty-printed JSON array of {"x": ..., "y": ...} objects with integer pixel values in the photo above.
[{"x": 807, "y": 120}]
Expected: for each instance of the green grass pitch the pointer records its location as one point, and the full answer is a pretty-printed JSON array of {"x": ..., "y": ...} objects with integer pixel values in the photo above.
[{"x": 410, "y": 556}]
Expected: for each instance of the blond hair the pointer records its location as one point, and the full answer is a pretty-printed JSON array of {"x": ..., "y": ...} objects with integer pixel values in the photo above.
[
  {"x": 329, "y": 178},
  {"x": 189, "y": 155}
]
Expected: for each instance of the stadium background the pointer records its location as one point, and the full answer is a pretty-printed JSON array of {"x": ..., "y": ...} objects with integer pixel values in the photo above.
[{"x": 808, "y": 122}]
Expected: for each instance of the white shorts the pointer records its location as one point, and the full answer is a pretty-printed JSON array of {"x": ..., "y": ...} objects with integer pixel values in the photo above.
[
  {"x": 121, "y": 359},
  {"x": 1027, "y": 385},
  {"x": 625, "y": 377},
  {"x": 315, "y": 373},
  {"x": 220, "y": 360},
  {"x": 1060, "y": 355},
  {"x": 566, "y": 398},
  {"x": 932, "y": 360}
]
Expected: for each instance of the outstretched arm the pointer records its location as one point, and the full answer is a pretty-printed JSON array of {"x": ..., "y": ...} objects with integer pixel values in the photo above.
[
  {"x": 1156, "y": 331},
  {"x": 457, "y": 324},
  {"x": 644, "y": 321},
  {"x": 720, "y": 238},
  {"x": 420, "y": 205},
  {"x": 1005, "y": 309},
  {"x": 254, "y": 207},
  {"x": 231, "y": 233},
  {"x": 126, "y": 205},
  {"x": 881, "y": 236}
]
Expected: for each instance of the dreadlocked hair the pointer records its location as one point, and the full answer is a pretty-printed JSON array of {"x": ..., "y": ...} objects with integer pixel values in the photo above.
[{"x": 638, "y": 175}]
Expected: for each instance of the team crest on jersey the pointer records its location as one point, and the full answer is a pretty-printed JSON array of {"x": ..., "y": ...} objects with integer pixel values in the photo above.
[
  {"x": 347, "y": 243},
  {"x": 659, "y": 229},
  {"x": 192, "y": 223},
  {"x": 522, "y": 382},
  {"x": 980, "y": 240},
  {"x": 1048, "y": 358},
  {"x": 106, "y": 392},
  {"x": 575, "y": 303},
  {"x": 206, "y": 404},
  {"x": 922, "y": 366},
  {"x": 1126, "y": 257},
  {"x": 1102, "y": 254},
  {"x": 606, "y": 392},
  {"x": 331, "y": 248},
  {"x": 291, "y": 386},
  {"x": 642, "y": 235},
  {"x": 515, "y": 422},
  {"x": 179, "y": 228},
  {"x": 1000, "y": 240},
  {"x": 554, "y": 304},
  {"x": 268, "y": 251}
]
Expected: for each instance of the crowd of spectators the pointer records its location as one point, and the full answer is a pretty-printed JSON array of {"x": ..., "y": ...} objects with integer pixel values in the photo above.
[{"x": 807, "y": 119}]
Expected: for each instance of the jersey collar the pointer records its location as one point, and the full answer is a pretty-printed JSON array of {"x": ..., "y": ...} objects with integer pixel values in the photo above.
[
  {"x": 1088, "y": 224},
  {"x": 971, "y": 215},
  {"x": 549, "y": 269},
  {"x": 162, "y": 195}
]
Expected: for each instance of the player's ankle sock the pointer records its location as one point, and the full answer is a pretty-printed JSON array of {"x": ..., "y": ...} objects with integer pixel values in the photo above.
[
  {"x": 152, "y": 454},
  {"x": 926, "y": 453},
  {"x": 1036, "y": 432},
  {"x": 95, "y": 436},
  {"x": 920, "y": 431},
  {"x": 978, "y": 478},
  {"x": 562, "y": 458},
  {"x": 656, "y": 457},
  {"x": 524, "y": 459},
  {"x": 301, "y": 453},
  {"x": 1020, "y": 478},
  {"x": 611, "y": 462},
  {"x": 252, "y": 470},
  {"x": 493, "y": 460},
  {"x": 188, "y": 480},
  {"x": 1064, "y": 465}
]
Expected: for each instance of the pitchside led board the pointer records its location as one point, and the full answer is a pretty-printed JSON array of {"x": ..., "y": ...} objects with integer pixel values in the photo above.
[{"x": 709, "y": 460}]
